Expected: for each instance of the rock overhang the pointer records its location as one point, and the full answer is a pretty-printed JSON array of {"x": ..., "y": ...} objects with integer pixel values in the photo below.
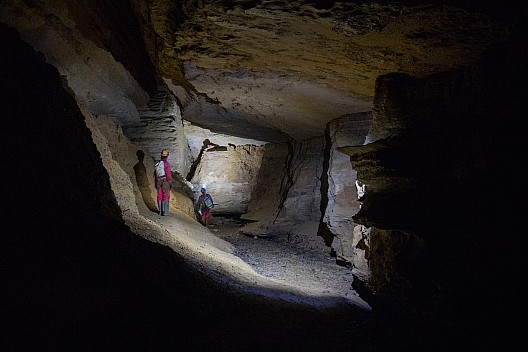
[
  {"x": 295, "y": 66},
  {"x": 264, "y": 70}
]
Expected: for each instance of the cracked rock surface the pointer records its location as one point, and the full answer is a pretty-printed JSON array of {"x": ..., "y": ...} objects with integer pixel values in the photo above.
[{"x": 280, "y": 64}]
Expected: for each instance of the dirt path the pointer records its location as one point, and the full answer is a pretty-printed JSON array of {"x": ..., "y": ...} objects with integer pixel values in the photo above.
[
  {"x": 294, "y": 268},
  {"x": 290, "y": 258}
]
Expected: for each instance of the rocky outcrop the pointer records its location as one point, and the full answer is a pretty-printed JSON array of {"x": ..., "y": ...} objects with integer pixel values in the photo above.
[
  {"x": 431, "y": 182},
  {"x": 100, "y": 82},
  {"x": 266, "y": 194},
  {"x": 131, "y": 174},
  {"x": 286, "y": 196},
  {"x": 160, "y": 127},
  {"x": 359, "y": 260},
  {"x": 287, "y": 188},
  {"x": 309, "y": 191},
  {"x": 117, "y": 155},
  {"x": 36, "y": 131},
  {"x": 341, "y": 200},
  {"x": 284, "y": 64},
  {"x": 300, "y": 185}
]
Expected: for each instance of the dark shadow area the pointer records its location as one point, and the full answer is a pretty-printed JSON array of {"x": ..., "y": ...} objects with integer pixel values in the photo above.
[
  {"x": 460, "y": 289},
  {"x": 143, "y": 183},
  {"x": 234, "y": 217}
]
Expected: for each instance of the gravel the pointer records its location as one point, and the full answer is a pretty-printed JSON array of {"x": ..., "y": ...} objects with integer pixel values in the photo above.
[{"x": 295, "y": 258}]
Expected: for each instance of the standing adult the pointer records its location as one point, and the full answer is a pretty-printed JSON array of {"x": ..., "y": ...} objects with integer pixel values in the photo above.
[
  {"x": 205, "y": 204},
  {"x": 163, "y": 182}
]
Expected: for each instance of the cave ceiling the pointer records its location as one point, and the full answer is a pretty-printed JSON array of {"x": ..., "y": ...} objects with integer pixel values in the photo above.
[
  {"x": 292, "y": 66},
  {"x": 261, "y": 70}
]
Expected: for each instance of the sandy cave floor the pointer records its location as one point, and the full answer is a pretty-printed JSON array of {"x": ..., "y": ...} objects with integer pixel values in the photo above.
[
  {"x": 290, "y": 258},
  {"x": 295, "y": 260}
]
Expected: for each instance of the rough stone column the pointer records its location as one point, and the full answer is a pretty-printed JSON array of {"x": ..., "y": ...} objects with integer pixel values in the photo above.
[
  {"x": 302, "y": 198},
  {"x": 342, "y": 198},
  {"x": 267, "y": 191}
]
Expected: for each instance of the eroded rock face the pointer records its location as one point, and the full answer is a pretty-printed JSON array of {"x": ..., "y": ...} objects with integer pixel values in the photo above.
[
  {"x": 287, "y": 190},
  {"x": 131, "y": 172},
  {"x": 36, "y": 131},
  {"x": 269, "y": 187},
  {"x": 359, "y": 261},
  {"x": 101, "y": 83},
  {"x": 229, "y": 174},
  {"x": 275, "y": 103},
  {"x": 429, "y": 180},
  {"x": 282, "y": 64},
  {"x": 301, "y": 197},
  {"x": 342, "y": 196},
  {"x": 160, "y": 127},
  {"x": 117, "y": 156}
]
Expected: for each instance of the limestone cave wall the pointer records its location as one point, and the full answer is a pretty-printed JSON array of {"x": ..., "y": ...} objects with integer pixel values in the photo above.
[
  {"x": 269, "y": 187},
  {"x": 301, "y": 197},
  {"x": 340, "y": 201},
  {"x": 100, "y": 81},
  {"x": 229, "y": 174},
  {"x": 287, "y": 191},
  {"x": 442, "y": 130},
  {"x": 433, "y": 179}
]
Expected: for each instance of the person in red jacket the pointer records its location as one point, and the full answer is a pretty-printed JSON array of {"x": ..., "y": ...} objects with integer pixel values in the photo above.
[
  {"x": 163, "y": 182},
  {"x": 203, "y": 208}
]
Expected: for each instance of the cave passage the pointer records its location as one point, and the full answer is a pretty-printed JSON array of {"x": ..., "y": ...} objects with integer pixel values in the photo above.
[{"x": 366, "y": 169}]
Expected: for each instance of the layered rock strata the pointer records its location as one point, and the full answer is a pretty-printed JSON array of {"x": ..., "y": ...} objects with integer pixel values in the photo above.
[
  {"x": 160, "y": 127},
  {"x": 229, "y": 174},
  {"x": 337, "y": 225},
  {"x": 100, "y": 82}
]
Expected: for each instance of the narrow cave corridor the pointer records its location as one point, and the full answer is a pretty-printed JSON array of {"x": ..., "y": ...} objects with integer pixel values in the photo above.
[{"x": 363, "y": 158}]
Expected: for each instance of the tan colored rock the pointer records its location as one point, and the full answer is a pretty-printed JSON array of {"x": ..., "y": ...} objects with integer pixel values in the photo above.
[
  {"x": 289, "y": 64},
  {"x": 361, "y": 245},
  {"x": 130, "y": 173},
  {"x": 115, "y": 160},
  {"x": 303, "y": 197},
  {"x": 342, "y": 192},
  {"x": 99, "y": 82},
  {"x": 229, "y": 174},
  {"x": 160, "y": 127}
]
